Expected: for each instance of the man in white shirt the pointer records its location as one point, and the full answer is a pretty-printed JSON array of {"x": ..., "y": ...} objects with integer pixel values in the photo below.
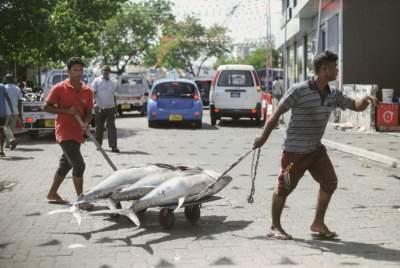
[
  {"x": 277, "y": 93},
  {"x": 13, "y": 115},
  {"x": 105, "y": 108}
]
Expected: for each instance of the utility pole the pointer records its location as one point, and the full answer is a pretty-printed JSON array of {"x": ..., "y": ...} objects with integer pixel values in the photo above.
[
  {"x": 285, "y": 63},
  {"x": 268, "y": 64},
  {"x": 101, "y": 56}
]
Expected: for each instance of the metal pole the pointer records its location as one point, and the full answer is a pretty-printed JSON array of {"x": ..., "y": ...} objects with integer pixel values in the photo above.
[
  {"x": 318, "y": 26},
  {"x": 106, "y": 157},
  {"x": 285, "y": 66}
]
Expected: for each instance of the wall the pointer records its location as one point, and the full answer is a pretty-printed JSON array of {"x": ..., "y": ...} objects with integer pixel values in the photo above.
[{"x": 371, "y": 43}]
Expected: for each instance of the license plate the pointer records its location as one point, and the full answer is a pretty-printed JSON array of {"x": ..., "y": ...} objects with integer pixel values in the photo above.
[
  {"x": 125, "y": 106},
  {"x": 175, "y": 117},
  {"x": 49, "y": 123},
  {"x": 235, "y": 94}
]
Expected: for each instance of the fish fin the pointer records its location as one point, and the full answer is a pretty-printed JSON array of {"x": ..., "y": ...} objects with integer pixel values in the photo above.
[
  {"x": 125, "y": 212},
  {"x": 74, "y": 210},
  {"x": 76, "y": 213},
  {"x": 180, "y": 202},
  {"x": 111, "y": 204}
]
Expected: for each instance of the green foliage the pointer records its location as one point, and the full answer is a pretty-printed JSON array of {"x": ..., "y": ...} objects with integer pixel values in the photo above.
[
  {"x": 24, "y": 34},
  {"x": 257, "y": 59},
  {"x": 45, "y": 31},
  {"x": 130, "y": 34},
  {"x": 187, "y": 42}
]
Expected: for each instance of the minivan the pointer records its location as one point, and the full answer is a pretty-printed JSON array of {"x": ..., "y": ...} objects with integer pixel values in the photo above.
[
  {"x": 131, "y": 93},
  {"x": 236, "y": 93}
]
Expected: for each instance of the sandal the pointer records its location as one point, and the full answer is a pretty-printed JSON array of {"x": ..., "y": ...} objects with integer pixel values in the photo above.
[
  {"x": 326, "y": 236},
  {"x": 275, "y": 234},
  {"x": 58, "y": 201}
]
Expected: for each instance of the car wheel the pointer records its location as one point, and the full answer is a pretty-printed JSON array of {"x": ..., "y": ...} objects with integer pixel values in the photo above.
[
  {"x": 33, "y": 134},
  {"x": 258, "y": 121},
  {"x": 152, "y": 124},
  {"x": 198, "y": 124}
]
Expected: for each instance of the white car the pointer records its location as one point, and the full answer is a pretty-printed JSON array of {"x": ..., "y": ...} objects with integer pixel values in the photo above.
[
  {"x": 235, "y": 92},
  {"x": 131, "y": 93}
]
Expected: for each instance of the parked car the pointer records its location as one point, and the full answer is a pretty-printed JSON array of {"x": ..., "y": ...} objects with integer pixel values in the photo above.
[
  {"x": 236, "y": 93},
  {"x": 204, "y": 84},
  {"x": 174, "y": 100},
  {"x": 131, "y": 93}
]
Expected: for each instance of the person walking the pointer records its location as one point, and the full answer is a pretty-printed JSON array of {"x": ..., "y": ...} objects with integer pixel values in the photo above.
[
  {"x": 105, "y": 108},
  {"x": 4, "y": 101},
  {"x": 70, "y": 99},
  {"x": 311, "y": 103},
  {"x": 14, "y": 114},
  {"x": 277, "y": 93}
]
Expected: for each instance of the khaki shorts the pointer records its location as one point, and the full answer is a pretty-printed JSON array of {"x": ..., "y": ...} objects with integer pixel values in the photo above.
[{"x": 294, "y": 165}]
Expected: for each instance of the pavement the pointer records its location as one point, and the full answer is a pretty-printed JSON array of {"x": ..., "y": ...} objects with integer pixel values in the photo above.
[{"x": 231, "y": 232}]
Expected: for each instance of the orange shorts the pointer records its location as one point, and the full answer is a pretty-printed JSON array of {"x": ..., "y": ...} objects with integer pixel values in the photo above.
[{"x": 294, "y": 165}]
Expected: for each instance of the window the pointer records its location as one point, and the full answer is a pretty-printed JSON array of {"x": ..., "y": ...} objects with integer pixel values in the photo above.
[
  {"x": 175, "y": 90},
  {"x": 235, "y": 78}
]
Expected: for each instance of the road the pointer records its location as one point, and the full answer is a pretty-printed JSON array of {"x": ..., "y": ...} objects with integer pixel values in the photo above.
[{"x": 364, "y": 210}]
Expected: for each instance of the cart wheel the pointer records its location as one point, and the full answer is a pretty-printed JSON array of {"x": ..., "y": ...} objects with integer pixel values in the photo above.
[
  {"x": 141, "y": 211},
  {"x": 118, "y": 206},
  {"x": 192, "y": 213},
  {"x": 167, "y": 218}
]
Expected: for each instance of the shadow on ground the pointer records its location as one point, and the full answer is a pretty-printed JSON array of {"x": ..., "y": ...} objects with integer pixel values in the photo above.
[
  {"x": 344, "y": 248},
  {"x": 238, "y": 123},
  {"x": 208, "y": 228}
]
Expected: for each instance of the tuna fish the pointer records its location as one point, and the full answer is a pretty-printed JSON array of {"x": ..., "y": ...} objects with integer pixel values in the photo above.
[
  {"x": 115, "y": 182},
  {"x": 145, "y": 185},
  {"x": 176, "y": 191}
]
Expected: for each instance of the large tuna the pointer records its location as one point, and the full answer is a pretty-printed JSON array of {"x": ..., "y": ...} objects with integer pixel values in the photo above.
[{"x": 176, "y": 191}]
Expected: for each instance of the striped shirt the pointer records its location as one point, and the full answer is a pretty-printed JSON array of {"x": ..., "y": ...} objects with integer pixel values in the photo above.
[{"x": 310, "y": 114}]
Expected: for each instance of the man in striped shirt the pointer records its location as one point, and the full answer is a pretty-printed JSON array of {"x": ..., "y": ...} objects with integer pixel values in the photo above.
[{"x": 311, "y": 103}]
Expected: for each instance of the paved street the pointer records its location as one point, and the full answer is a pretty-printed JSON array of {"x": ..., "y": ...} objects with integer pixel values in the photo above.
[{"x": 364, "y": 211}]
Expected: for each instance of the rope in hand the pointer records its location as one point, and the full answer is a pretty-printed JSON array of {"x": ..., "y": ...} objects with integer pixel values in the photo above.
[{"x": 253, "y": 174}]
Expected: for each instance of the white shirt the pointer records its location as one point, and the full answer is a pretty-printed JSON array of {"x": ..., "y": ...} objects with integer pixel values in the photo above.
[
  {"x": 277, "y": 88},
  {"x": 15, "y": 95},
  {"x": 104, "y": 91}
]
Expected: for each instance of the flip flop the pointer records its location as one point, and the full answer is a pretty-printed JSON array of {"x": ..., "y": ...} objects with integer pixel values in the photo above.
[
  {"x": 274, "y": 234},
  {"x": 325, "y": 236},
  {"x": 58, "y": 201}
]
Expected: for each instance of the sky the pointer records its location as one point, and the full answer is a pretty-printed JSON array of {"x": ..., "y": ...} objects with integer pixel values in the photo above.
[{"x": 245, "y": 19}]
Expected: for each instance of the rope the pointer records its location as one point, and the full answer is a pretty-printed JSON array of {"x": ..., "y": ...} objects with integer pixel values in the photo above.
[
  {"x": 225, "y": 172},
  {"x": 253, "y": 175}
]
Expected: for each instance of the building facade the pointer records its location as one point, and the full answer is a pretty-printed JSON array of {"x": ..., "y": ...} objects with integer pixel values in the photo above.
[{"x": 364, "y": 33}]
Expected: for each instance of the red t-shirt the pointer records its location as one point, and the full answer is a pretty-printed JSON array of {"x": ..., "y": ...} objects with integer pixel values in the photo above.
[{"x": 63, "y": 95}]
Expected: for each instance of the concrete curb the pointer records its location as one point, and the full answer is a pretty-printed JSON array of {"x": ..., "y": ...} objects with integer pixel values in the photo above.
[
  {"x": 380, "y": 158},
  {"x": 384, "y": 159}
]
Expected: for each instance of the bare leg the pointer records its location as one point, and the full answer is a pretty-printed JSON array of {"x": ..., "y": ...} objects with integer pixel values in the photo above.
[
  {"x": 78, "y": 184},
  {"x": 2, "y": 139},
  {"x": 278, "y": 203},
  {"x": 52, "y": 195},
  {"x": 319, "y": 222}
]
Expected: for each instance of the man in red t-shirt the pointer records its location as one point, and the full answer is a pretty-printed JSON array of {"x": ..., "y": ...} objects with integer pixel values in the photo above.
[{"x": 69, "y": 99}]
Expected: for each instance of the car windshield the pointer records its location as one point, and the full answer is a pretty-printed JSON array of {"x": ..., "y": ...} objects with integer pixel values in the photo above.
[
  {"x": 175, "y": 90},
  {"x": 131, "y": 81},
  {"x": 235, "y": 78}
]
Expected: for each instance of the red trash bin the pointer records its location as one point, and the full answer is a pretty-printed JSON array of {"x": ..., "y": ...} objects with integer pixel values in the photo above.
[{"x": 387, "y": 114}]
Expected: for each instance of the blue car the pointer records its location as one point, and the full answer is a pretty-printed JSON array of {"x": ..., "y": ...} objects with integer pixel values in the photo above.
[{"x": 174, "y": 101}]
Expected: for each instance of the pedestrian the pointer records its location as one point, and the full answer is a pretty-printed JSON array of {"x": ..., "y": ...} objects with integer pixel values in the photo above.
[
  {"x": 277, "y": 93},
  {"x": 105, "y": 108},
  {"x": 70, "y": 99},
  {"x": 311, "y": 103},
  {"x": 14, "y": 114},
  {"x": 4, "y": 102}
]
